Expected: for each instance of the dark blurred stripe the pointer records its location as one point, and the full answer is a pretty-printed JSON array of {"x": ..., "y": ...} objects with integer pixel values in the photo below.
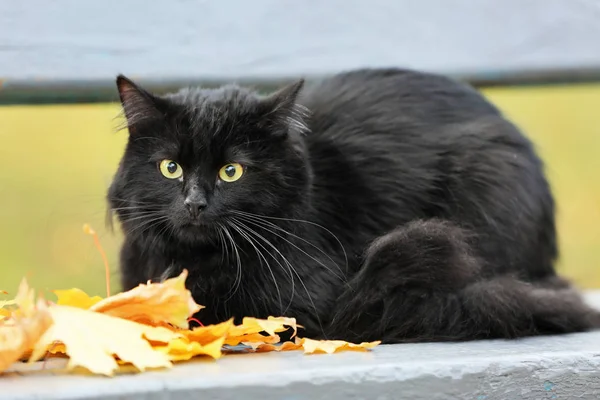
[{"x": 76, "y": 91}]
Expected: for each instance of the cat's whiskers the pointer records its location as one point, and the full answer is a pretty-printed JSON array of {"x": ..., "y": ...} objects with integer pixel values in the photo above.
[
  {"x": 225, "y": 243},
  {"x": 238, "y": 274},
  {"x": 140, "y": 214},
  {"x": 248, "y": 214},
  {"x": 148, "y": 224},
  {"x": 137, "y": 201},
  {"x": 143, "y": 220},
  {"x": 167, "y": 273},
  {"x": 143, "y": 207},
  {"x": 310, "y": 299},
  {"x": 111, "y": 211},
  {"x": 222, "y": 242},
  {"x": 265, "y": 225},
  {"x": 261, "y": 258},
  {"x": 164, "y": 230},
  {"x": 285, "y": 260}
]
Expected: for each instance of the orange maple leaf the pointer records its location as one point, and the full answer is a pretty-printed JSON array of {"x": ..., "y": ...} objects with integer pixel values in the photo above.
[
  {"x": 168, "y": 302},
  {"x": 208, "y": 334},
  {"x": 285, "y": 346}
]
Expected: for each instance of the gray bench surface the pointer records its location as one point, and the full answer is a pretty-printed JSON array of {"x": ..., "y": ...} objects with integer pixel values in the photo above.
[
  {"x": 556, "y": 367},
  {"x": 262, "y": 39},
  {"x": 66, "y": 51}
]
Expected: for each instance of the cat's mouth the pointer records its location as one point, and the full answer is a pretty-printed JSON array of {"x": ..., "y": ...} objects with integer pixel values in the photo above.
[
  {"x": 198, "y": 225},
  {"x": 196, "y": 231},
  {"x": 195, "y": 225}
]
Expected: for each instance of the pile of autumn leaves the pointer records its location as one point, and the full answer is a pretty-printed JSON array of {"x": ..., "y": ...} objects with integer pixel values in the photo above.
[{"x": 146, "y": 327}]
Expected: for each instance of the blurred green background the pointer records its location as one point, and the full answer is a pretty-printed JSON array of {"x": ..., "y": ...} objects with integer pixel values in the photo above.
[{"x": 58, "y": 160}]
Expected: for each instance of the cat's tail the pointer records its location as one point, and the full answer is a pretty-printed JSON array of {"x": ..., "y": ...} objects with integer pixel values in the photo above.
[
  {"x": 497, "y": 308},
  {"x": 505, "y": 307},
  {"x": 410, "y": 290}
]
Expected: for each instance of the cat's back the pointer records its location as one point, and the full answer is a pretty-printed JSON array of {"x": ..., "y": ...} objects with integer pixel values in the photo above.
[
  {"x": 389, "y": 145},
  {"x": 390, "y": 101}
]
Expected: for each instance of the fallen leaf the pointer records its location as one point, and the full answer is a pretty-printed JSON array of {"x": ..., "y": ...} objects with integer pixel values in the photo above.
[
  {"x": 208, "y": 334},
  {"x": 145, "y": 327},
  {"x": 5, "y": 303},
  {"x": 4, "y": 312},
  {"x": 20, "y": 330},
  {"x": 272, "y": 325},
  {"x": 285, "y": 346},
  {"x": 24, "y": 300},
  {"x": 251, "y": 338},
  {"x": 311, "y": 346},
  {"x": 181, "y": 349},
  {"x": 153, "y": 303},
  {"x": 92, "y": 339},
  {"x": 75, "y": 298},
  {"x": 291, "y": 322}
]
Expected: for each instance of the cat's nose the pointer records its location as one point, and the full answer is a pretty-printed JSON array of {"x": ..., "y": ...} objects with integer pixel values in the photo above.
[{"x": 195, "y": 206}]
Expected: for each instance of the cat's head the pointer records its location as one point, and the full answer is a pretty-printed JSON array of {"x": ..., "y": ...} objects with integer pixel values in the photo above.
[{"x": 197, "y": 157}]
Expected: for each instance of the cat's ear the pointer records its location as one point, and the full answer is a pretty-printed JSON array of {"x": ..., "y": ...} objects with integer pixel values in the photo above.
[
  {"x": 138, "y": 104},
  {"x": 285, "y": 98},
  {"x": 281, "y": 110}
]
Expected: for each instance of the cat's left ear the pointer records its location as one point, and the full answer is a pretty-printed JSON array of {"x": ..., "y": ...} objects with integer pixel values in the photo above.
[
  {"x": 280, "y": 109},
  {"x": 138, "y": 104}
]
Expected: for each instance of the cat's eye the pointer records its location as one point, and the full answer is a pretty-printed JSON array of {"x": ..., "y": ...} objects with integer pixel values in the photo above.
[
  {"x": 231, "y": 172},
  {"x": 170, "y": 169}
]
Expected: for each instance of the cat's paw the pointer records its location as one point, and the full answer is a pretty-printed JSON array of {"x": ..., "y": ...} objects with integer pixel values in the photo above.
[{"x": 423, "y": 255}]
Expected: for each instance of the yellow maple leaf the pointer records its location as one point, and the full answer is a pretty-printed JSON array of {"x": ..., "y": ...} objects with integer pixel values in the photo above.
[
  {"x": 181, "y": 349},
  {"x": 20, "y": 330},
  {"x": 290, "y": 322},
  {"x": 153, "y": 303},
  {"x": 5, "y": 303},
  {"x": 311, "y": 346},
  {"x": 249, "y": 332},
  {"x": 4, "y": 312},
  {"x": 75, "y": 298},
  {"x": 272, "y": 325},
  {"x": 91, "y": 340}
]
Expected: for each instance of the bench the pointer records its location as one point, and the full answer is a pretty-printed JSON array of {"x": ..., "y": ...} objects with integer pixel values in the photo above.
[
  {"x": 552, "y": 367},
  {"x": 69, "y": 51}
]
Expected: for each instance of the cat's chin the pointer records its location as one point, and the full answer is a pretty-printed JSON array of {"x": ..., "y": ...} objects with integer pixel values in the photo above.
[{"x": 197, "y": 233}]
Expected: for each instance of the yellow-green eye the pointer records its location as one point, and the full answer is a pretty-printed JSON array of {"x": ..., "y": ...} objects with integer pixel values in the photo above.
[
  {"x": 231, "y": 172},
  {"x": 170, "y": 169}
]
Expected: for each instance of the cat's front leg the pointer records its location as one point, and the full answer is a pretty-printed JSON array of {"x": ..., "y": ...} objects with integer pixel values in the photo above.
[{"x": 139, "y": 265}]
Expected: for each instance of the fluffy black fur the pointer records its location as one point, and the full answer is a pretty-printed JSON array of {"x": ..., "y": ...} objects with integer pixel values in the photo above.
[{"x": 377, "y": 204}]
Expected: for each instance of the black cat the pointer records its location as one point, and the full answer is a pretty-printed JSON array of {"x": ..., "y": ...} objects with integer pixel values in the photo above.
[{"x": 377, "y": 204}]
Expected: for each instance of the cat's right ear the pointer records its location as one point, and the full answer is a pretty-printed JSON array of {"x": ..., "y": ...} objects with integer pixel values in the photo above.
[{"x": 138, "y": 104}]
